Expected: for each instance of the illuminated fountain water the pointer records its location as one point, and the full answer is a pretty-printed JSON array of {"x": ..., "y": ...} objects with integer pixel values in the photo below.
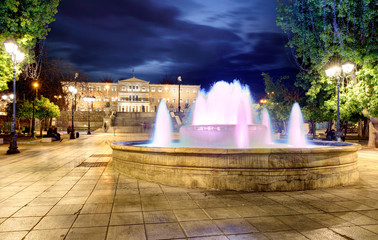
[
  {"x": 223, "y": 148},
  {"x": 223, "y": 118}
]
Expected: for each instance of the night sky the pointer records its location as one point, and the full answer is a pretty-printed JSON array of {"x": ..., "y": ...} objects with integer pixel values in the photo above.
[{"x": 201, "y": 40}]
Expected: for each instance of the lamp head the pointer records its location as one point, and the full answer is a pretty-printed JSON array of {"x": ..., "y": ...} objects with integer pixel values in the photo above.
[
  {"x": 179, "y": 78},
  {"x": 35, "y": 85},
  {"x": 10, "y": 46},
  {"x": 19, "y": 56},
  {"x": 72, "y": 89},
  {"x": 332, "y": 71},
  {"x": 348, "y": 67}
]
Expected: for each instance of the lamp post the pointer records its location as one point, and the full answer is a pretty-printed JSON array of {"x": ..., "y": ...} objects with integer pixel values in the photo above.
[
  {"x": 73, "y": 90},
  {"x": 179, "y": 84},
  {"x": 17, "y": 57},
  {"x": 89, "y": 100},
  {"x": 338, "y": 72},
  {"x": 35, "y": 85}
]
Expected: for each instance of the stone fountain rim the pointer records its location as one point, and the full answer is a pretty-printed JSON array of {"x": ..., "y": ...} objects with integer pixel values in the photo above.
[{"x": 328, "y": 147}]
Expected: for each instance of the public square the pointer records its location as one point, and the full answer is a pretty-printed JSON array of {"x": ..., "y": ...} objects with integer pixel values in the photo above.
[{"x": 69, "y": 190}]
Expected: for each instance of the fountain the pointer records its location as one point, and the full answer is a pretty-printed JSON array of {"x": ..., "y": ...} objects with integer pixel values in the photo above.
[{"x": 223, "y": 148}]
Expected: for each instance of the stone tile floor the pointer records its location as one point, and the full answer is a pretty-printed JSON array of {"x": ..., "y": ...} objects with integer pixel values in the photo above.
[{"x": 45, "y": 194}]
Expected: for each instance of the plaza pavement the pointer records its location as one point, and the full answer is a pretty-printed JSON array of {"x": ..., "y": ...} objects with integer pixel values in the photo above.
[{"x": 69, "y": 190}]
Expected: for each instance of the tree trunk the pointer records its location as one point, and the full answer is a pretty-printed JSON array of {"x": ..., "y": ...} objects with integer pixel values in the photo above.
[
  {"x": 30, "y": 125},
  {"x": 360, "y": 128},
  {"x": 330, "y": 124},
  {"x": 313, "y": 127},
  {"x": 346, "y": 128},
  {"x": 41, "y": 127},
  {"x": 365, "y": 132},
  {"x": 373, "y": 133}
]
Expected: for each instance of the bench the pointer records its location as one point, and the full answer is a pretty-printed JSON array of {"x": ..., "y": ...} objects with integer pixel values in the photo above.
[{"x": 48, "y": 139}]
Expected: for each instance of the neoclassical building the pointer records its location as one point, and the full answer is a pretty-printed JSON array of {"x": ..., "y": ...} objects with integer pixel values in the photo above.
[{"x": 133, "y": 95}]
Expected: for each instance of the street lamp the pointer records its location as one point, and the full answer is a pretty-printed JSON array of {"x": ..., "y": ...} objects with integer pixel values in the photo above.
[
  {"x": 179, "y": 83},
  {"x": 263, "y": 101},
  {"x": 338, "y": 71},
  {"x": 17, "y": 57},
  {"x": 35, "y": 85},
  {"x": 73, "y": 90},
  {"x": 89, "y": 100}
]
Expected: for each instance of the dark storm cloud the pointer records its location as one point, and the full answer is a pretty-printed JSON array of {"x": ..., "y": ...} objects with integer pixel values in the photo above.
[{"x": 158, "y": 37}]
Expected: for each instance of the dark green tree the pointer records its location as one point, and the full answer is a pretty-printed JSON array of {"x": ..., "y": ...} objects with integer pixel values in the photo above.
[
  {"x": 326, "y": 32},
  {"x": 25, "y": 21},
  {"x": 44, "y": 109}
]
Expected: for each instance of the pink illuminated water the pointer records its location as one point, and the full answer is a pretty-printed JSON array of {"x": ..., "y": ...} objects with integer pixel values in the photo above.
[
  {"x": 163, "y": 127},
  {"x": 266, "y": 122},
  {"x": 297, "y": 133},
  {"x": 221, "y": 104},
  {"x": 222, "y": 118}
]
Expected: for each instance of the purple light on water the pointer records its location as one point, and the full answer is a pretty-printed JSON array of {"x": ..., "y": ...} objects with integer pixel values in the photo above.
[
  {"x": 266, "y": 122},
  {"x": 297, "y": 133},
  {"x": 220, "y": 104},
  {"x": 163, "y": 127}
]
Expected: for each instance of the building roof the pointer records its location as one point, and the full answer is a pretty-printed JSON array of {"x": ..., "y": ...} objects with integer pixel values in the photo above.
[{"x": 133, "y": 79}]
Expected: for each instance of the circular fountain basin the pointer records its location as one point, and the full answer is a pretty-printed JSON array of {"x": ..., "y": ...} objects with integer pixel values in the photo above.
[{"x": 255, "y": 169}]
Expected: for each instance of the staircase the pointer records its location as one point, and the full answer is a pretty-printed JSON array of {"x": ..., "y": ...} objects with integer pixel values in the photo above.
[{"x": 133, "y": 122}]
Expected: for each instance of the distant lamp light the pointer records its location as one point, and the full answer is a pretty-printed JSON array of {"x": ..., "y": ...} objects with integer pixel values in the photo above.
[
  {"x": 72, "y": 89},
  {"x": 348, "y": 67},
  {"x": 263, "y": 101},
  {"x": 35, "y": 84}
]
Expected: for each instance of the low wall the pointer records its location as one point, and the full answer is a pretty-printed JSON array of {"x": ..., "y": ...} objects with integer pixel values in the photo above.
[{"x": 259, "y": 169}]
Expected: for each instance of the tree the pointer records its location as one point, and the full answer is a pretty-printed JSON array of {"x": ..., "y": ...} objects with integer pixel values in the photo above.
[
  {"x": 24, "y": 110},
  {"x": 25, "y": 21},
  {"x": 280, "y": 99},
  {"x": 44, "y": 109},
  {"x": 322, "y": 33}
]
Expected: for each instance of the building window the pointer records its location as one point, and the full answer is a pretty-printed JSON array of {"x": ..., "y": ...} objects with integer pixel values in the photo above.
[
  {"x": 194, "y": 90},
  {"x": 143, "y": 99},
  {"x": 98, "y": 88},
  {"x": 187, "y": 100},
  {"x": 194, "y": 100},
  {"x": 159, "y": 90},
  {"x": 98, "y": 99},
  {"x": 173, "y": 100},
  {"x": 137, "y": 87},
  {"x": 174, "y": 90},
  {"x": 180, "y": 90},
  {"x": 152, "y": 89},
  {"x": 82, "y": 88},
  {"x": 130, "y": 87},
  {"x": 160, "y": 99},
  {"x": 106, "y": 99},
  {"x": 114, "y": 88},
  {"x": 113, "y": 99},
  {"x": 90, "y": 88},
  {"x": 123, "y": 88},
  {"x": 143, "y": 89},
  {"x": 152, "y": 99},
  {"x": 123, "y": 99}
]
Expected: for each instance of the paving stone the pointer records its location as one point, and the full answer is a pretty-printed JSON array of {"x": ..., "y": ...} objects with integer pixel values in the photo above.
[
  {"x": 164, "y": 231},
  {"x": 128, "y": 232},
  {"x": 19, "y": 224},
  {"x": 93, "y": 233}
]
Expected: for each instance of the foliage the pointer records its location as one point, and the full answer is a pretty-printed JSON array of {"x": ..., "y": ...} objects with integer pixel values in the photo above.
[
  {"x": 326, "y": 32},
  {"x": 280, "y": 98},
  {"x": 24, "y": 109},
  {"x": 46, "y": 109},
  {"x": 25, "y": 21}
]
